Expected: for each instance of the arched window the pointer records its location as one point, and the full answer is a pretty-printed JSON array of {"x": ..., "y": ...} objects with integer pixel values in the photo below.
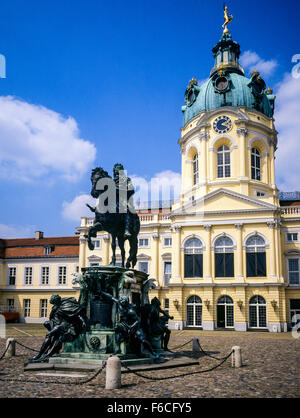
[
  {"x": 255, "y": 164},
  {"x": 193, "y": 258},
  {"x": 257, "y": 312},
  {"x": 225, "y": 312},
  {"x": 194, "y": 312},
  {"x": 195, "y": 169},
  {"x": 224, "y": 257},
  {"x": 256, "y": 256},
  {"x": 223, "y": 161}
]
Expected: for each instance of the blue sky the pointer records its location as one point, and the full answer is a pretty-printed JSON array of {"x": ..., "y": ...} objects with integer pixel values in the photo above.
[{"x": 99, "y": 82}]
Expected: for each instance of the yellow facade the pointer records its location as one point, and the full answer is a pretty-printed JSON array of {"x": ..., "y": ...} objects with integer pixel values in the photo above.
[
  {"x": 29, "y": 296},
  {"x": 220, "y": 207}
]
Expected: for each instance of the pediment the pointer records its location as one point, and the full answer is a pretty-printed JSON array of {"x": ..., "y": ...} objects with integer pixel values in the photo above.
[{"x": 223, "y": 200}]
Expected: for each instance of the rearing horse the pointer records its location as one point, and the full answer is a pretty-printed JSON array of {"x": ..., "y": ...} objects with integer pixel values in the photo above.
[{"x": 113, "y": 223}]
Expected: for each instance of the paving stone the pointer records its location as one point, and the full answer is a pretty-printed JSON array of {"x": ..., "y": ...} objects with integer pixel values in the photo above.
[{"x": 270, "y": 369}]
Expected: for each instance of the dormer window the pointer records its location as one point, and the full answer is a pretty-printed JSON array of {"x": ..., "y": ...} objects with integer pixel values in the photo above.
[{"x": 48, "y": 249}]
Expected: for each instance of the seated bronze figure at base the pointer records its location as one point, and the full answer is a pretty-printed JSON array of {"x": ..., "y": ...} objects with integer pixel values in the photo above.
[{"x": 66, "y": 322}]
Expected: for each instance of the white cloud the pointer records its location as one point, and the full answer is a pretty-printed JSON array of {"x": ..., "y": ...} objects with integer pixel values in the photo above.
[
  {"x": 37, "y": 142},
  {"x": 287, "y": 111},
  {"x": 250, "y": 61},
  {"x": 15, "y": 231},
  {"x": 164, "y": 186},
  {"x": 73, "y": 210}
]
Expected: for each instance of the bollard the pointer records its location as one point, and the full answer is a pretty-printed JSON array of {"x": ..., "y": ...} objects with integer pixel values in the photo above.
[
  {"x": 236, "y": 357},
  {"x": 196, "y": 346},
  {"x": 12, "y": 347},
  {"x": 113, "y": 373}
]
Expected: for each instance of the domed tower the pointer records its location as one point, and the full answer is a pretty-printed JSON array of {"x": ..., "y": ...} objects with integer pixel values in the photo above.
[{"x": 228, "y": 137}]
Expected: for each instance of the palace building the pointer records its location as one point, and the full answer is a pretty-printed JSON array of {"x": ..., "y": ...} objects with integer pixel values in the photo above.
[
  {"x": 33, "y": 269},
  {"x": 226, "y": 254}
]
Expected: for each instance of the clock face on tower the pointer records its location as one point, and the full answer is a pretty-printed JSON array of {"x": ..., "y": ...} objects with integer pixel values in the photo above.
[{"x": 222, "y": 124}]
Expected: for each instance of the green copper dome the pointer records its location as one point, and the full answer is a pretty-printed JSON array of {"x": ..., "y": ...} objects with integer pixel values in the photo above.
[{"x": 227, "y": 85}]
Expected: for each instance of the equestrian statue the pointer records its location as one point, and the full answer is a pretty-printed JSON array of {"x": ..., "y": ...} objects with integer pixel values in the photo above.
[{"x": 116, "y": 215}]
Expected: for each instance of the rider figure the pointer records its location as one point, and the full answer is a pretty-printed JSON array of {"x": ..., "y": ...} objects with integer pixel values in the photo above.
[{"x": 124, "y": 190}]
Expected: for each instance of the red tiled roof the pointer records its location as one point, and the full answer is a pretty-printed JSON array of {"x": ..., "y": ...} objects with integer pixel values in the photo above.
[{"x": 31, "y": 247}]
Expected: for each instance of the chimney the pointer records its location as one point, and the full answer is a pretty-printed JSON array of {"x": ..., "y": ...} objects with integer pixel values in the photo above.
[{"x": 39, "y": 235}]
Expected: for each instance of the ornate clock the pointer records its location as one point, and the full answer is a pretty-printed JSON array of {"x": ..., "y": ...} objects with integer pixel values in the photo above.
[{"x": 222, "y": 124}]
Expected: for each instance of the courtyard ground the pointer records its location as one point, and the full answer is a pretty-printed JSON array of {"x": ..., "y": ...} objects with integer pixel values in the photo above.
[{"x": 270, "y": 369}]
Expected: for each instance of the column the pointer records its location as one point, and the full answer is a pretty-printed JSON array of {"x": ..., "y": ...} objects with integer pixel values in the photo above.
[
  {"x": 155, "y": 259},
  {"x": 106, "y": 240},
  {"x": 242, "y": 133},
  {"x": 82, "y": 252},
  {"x": 272, "y": 252},
  {"x": 207, "y": 273},
  {"x": 176, "y": 255},
  {"x": 239, "y": 256}
]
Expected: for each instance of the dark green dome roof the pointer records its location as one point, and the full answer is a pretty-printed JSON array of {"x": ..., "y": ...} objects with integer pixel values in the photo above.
[{"x": 227, "y": 85}]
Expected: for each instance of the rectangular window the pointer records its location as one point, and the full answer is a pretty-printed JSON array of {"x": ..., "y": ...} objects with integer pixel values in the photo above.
[
  {"x": 10, "y": 305},
  {"x": 193, "y": 265},
  {"x": 12, "y": 274},
  {"x": 293, "y": 266},
  {"x": 168, "y": 242},
  {"x": 45, "y": 275},
  {"x": 166, "y": 306},
  {"x": 44, "y": 304},
  {"x": 143, "y": 242},
  {"x": 292, "y": 237},
  {"x": 26, "y": 307},
  {"x": 256, "y": 264},
  {"x": 48, "y": 249},
  {"x": 224, "y": 264},
  {"x": 143, "y": 266},
  {"x": 28, "y": 275},
  {"x": 260, "y": 194},
  {"x": 62, "y": 275},
  {"x": 96, "y": 243},
  {"x": 167, "y": 271}
]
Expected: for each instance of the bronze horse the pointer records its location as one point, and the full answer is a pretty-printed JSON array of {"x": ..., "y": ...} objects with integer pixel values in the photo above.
[{"x": 114, "y": 223}]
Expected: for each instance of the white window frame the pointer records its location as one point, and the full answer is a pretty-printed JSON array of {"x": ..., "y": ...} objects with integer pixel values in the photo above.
[
  {"x": 257, "y": 305},
  {"x": 148, "y": 265},
  {"x": 8, "y": 275},
  {"x": 288, "y": 271},
  {"x": 26, "y": 309},
  {"x": 25, "y": 276},
  {"x": 41, "y": 276},
  {"x": 144, "y": 245},
  {"x": 10, "y": 307},
  {"x": 195, "y": 165},
  {"x": 223, "y": 152},
  {"x": 164, "y": 242},
  {"x": 292, "y": 240},
  {"x": 97, "y": 243},
  {"x": 66, "y": 274},
  {"x": 43, "y": 309},
  {"x": 260, "y": 193},
  {"x": 193, "y": 305},
  {"x": 256, "y": 169},
  {"x": 164, "y": 273}
]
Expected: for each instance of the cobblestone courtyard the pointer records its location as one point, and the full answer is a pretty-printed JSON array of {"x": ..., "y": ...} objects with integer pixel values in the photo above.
[{"x": 271, "y": 370}]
